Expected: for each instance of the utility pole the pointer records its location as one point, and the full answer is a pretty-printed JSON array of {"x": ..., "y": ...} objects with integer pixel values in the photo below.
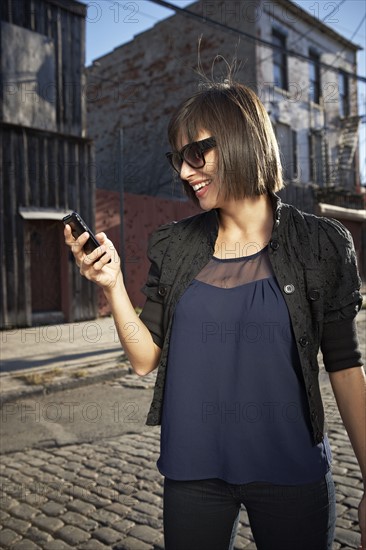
[{"x": 121, "y": 187}]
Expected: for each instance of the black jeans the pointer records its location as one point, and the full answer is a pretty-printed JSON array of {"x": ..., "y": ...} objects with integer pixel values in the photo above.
[{"x": 204, "y": 514}]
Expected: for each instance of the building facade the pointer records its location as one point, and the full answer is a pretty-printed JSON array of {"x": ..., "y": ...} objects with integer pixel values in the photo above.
[
  {"x": 47, "y": 163},
  {"x": 303, "y": 71}
]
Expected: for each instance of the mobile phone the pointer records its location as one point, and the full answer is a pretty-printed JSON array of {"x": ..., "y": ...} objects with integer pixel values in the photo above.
[{"x": 78, "y": 226}]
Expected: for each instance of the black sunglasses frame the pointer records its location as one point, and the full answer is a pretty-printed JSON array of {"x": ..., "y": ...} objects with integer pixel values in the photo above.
[{"x": 203, "y": 146}]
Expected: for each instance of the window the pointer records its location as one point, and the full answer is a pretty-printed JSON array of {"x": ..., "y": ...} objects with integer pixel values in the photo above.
[
  {"x": 295, "y": 172},
  {"x": 279, "y": 60},
  {"x": 314, "y": 77},
  {"x": 317, "y": 164},
  {"x": 343, "y": 94},
  {"x": 287, "y": 142},
  {"x": 29, "y": 62}
]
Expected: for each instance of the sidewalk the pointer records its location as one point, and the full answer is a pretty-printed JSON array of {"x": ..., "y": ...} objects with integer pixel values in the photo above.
[{"x": 50, "y": 358}]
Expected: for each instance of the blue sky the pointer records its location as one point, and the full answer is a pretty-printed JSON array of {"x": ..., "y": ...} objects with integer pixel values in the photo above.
[{"x": 110, "y": 23}]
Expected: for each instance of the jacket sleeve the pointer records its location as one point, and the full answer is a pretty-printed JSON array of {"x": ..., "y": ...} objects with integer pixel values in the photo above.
[
  {"x": 342, "y": 297},
  {"x": 153, "y": 310}
]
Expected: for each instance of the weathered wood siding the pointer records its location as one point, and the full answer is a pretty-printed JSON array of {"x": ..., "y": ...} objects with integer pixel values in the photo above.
[
  {"x": 41, "y": 170},
  {"x": 63, "y": 22},
  {"x": 46, "y": 163}
]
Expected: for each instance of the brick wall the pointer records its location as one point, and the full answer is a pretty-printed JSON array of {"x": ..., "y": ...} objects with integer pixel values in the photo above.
[{"x": 142, "y": 215}]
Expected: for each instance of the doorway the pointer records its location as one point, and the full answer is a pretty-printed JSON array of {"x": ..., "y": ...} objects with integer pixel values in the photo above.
[{"x": 45, "y": 269}]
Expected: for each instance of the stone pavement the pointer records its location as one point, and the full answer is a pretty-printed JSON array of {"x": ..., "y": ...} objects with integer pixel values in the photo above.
[{"x": 108, "y": 494}]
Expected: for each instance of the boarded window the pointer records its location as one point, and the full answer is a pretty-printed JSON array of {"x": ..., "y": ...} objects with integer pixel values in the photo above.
[{"x": 28, "y": 68}]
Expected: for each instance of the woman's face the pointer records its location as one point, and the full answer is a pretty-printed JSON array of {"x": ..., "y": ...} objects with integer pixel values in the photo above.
[{"x": 203, "y": 180}]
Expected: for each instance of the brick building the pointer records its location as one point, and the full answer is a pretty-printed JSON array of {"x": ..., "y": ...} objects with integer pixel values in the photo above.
[{"x": 302, "y": 70}]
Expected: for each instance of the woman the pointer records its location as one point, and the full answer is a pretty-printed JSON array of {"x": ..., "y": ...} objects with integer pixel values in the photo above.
[{"x": 239, "y": 299}]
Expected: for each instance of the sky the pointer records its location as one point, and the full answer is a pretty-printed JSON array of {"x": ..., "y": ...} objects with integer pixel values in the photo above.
[{"x": 110, "y": 23}]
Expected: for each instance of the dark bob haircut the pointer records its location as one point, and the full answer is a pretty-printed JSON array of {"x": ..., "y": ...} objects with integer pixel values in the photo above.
[{"x": 247, "y": 150}]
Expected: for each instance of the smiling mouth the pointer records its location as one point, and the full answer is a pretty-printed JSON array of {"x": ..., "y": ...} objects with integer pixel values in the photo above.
[{"x": 200, "y": 185}]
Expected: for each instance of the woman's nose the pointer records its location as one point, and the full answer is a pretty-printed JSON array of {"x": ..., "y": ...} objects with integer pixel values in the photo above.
[{"x": 186, "y": 171}]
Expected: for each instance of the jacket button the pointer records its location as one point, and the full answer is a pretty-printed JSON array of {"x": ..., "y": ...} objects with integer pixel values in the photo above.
[
  {"x": 289, "y": 289},
  {"x": 314, "y": 295},
  {"x": 314, "y": 415},
  {"x": 303, "y": 342},
  {"x": 274, "y": 244},
  {"x": 310, "y": 389},
  {"x": 162, "y": 290}
]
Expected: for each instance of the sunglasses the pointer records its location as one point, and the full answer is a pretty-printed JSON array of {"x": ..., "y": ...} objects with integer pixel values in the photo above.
[{"x": 192, "y": 154}]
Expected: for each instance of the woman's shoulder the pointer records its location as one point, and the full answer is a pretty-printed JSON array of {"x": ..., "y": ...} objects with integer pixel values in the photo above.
[
  {"x": 161, "y": 237},
  {"x": 324, "y": 227},
  {"x": 189, "y": 222}
]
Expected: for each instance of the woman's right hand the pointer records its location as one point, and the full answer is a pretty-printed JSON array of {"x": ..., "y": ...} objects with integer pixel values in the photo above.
[
  {"x": 145, "y": 356},
  {"x": 95, "y": 266}
]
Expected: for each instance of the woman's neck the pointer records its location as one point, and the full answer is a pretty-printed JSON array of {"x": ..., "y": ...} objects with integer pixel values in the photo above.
[{"x": 246, "y": 217}]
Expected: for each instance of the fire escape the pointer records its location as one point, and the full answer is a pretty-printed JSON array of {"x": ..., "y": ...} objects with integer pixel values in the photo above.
[{"x": 343, "y": 173}]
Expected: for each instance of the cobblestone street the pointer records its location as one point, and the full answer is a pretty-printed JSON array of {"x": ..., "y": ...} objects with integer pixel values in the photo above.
[{"x": 108, "y": 494}]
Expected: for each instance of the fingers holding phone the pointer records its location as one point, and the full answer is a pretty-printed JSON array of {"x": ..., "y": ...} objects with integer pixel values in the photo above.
[
  {"x": 76, "y": 244},
  {"x": 95, "y": 255},
  {"x": 100, "y": 256}
]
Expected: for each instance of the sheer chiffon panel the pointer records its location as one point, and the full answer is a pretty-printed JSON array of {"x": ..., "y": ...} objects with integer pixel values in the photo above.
[{"x": 234, "y": 272}]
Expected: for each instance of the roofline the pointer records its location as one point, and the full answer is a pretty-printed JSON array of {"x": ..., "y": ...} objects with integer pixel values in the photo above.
[
  {"x": 70, "y": 5},
  {"x": 298, "y": 10}
]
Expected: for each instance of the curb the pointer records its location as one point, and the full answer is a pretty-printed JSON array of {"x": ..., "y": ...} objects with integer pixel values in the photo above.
[{"x": 110, "y": 371}]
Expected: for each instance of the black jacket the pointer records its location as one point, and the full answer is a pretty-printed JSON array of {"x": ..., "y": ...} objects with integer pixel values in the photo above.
[{"x": 315, "y": 264}]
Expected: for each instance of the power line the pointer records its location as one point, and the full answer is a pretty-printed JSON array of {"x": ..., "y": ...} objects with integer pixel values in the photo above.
[
  {"x": 354, "y": 34},
  {"x": 227, "y": 28},
  {"x": 148, "y": 15}
]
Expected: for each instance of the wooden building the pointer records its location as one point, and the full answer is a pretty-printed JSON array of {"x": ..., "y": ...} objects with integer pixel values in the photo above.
[{"x": 47, "y": 164}]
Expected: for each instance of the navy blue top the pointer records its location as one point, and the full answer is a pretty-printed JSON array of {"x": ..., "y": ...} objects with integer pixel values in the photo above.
[{"x": 235, "y": 406}]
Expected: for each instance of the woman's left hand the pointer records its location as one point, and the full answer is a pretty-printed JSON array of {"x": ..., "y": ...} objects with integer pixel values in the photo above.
[{"x": 362, "y": 520}]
